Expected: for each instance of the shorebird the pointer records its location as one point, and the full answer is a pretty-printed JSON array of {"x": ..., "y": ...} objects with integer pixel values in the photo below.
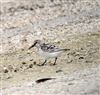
[{"x": 47, "y": 50}]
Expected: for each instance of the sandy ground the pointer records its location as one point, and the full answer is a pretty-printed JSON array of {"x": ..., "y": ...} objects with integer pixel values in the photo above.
[{"x": 72, "y": 24}]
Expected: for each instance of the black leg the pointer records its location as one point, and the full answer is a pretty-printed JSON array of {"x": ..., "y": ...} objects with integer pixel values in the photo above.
[
  {"x": 44, "y": 63},
  {"x": 55, "y": 61}
]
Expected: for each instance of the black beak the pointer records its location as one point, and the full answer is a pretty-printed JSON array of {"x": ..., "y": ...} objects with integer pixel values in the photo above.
[{"x": 32, "y": 45}]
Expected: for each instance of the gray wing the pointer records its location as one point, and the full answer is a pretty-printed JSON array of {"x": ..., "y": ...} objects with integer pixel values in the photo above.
[{"x": 49, "y": 48}]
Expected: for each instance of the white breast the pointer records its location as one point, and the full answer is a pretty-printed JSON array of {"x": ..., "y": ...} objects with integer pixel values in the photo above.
[{"x": 48, "y": 55}]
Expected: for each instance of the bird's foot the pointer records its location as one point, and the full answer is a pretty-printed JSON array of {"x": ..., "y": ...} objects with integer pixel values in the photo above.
[
  {"x": 44, "y": 63},
  {"x": 53, "y": 64}
]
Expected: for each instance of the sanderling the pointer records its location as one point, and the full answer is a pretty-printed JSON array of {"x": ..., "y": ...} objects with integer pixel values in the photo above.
[{"x": 47, "y": 50}]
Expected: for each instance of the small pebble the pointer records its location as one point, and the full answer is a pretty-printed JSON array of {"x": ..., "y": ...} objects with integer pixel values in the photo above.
[
  {"x": 9, "y": 77},
  {"x": 31, "y": 8},
  {"x": 5, "y": 71},
  {"x": 70, "y": 83},
  {"x": 28, "y": 52},
  {"x": 34, "y": 62},
  {"x": 23, "y": 63},
  {"x": 58, "y": 71},
  {"x": 16, "y": 70},
  {"x": 31, "y": 59},
  {"x": 31, "y": 65},
  {"x": 81, "y": 57}
]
